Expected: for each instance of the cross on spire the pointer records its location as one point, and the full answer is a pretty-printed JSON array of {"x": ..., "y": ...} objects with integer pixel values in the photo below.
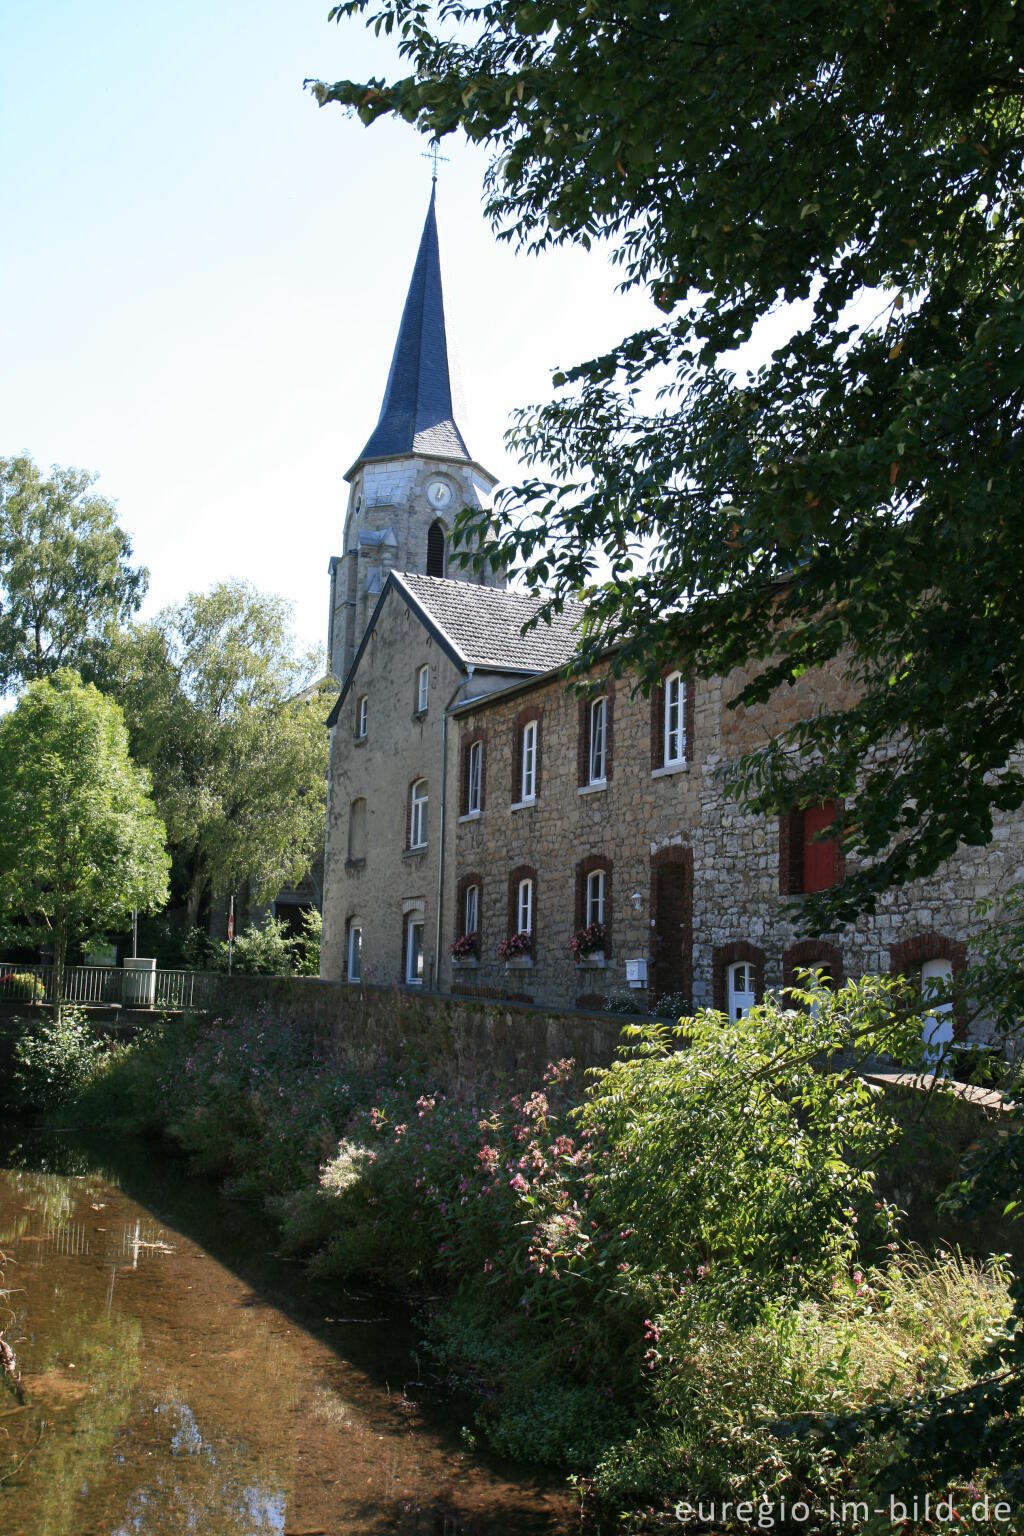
[{"x": 434, "y": 154}]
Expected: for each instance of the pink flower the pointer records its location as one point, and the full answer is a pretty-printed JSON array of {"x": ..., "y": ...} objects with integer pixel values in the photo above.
[{"x": 519, "y": 1184}]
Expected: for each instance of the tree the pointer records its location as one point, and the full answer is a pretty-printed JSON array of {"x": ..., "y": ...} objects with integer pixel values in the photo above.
[
  {"x": 855, "y": 495},
  {"x": 81, "y": 843},
  {"x": 65, "y": 575},
  {"x": 230, "y": 724}
]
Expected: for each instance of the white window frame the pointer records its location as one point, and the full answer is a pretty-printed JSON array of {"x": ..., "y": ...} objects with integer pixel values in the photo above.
[
  {"x": 599, "y": 741},
  {"x": 736, "y": 996},
  {"x": 524, "y": 906},
  {"x": 596, "y": 887},
  {"x": 415, "y": 920},
  {"x": 471, "y": 910},
  {"x": 528, "y": 773},
  {"x": 362, "y": 710},
  {"x": 418, "y": 815},
  {"x": 675, "y": 719},
  {"x": 475, "y": 775},
  {"x": 354, "y": 972},
  {"x": 422, "y": 689}
]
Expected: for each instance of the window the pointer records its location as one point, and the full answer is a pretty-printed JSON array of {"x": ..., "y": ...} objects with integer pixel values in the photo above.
[
  {"x": 524, "y": 907},
  {"x": 595, "y": 897},
  {"x": 936, "y": 984},
  {"x": 598, "y": 725},
  {"x": 474, "y": 778},
  {"x": 528, "y": 777},
  {"x": 357, "y": 831},
  {"x": 435, "y": 549},
  {"x": 355, "y": 950},
  {"x": 742, "y": 985},
  {"x": 418, "y": 815},
  {"x": 471, "y": 910},
  {"x": 361, "y": 710},
  {"x": 675, "y": 719},
  {"x": 422, "y": 689},
  {"x": 414, "y": 950}
]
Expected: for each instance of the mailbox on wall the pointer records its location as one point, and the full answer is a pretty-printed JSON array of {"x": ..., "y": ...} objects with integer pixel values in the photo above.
[{"x": 636, "y": 973}]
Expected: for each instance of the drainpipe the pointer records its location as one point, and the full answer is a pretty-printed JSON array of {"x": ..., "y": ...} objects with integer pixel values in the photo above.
[{"x": 440, "y": 854}]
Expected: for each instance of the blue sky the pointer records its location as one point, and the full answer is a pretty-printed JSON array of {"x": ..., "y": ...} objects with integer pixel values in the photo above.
[{"x": 201, "y": 278}]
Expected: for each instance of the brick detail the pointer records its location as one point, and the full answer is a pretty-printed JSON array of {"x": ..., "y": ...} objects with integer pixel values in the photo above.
[
  {"x": 609, "y": 731},
  {"x": 521, "y": 872},
  {"x": 590, "y": 1000},
  {"x": 809, "y": 952},
  {"x": 657, "y": 727},
  {"x": 472, "y": 878},
  {"x": 689, "y": 712},
  {"x": 522, "y": 721},
  {"x": 791, "y": 853},
  {"x": 724, "y": 955},
  {"x": 680, "y": 963},
  {"x": 481, "y": 737},
  {"x": 587, "y": 867}
]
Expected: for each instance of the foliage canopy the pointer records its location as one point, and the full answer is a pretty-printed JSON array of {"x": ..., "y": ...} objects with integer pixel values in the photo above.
[
  {"x": 65, "y": 575},
  {"x": 81, "y": 843},
  {"x": 857, "y": 494},
  {"x": 228, "y": 720}
]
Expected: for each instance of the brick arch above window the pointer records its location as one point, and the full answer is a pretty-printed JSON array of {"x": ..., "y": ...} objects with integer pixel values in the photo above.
[
  {"x": 910, "y": 954},
  {"x": 586, "y": 867},
  {"x": 806, "y": 953},
  {"x": 724, "y": 955},
  {"x": 586, "y": 703},
  {"x": 523, "y": 719},
  {"x": 477, "y": 736}
]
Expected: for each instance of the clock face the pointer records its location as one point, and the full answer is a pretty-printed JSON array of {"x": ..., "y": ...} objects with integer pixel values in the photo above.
[{"x": 439, "y": 493}]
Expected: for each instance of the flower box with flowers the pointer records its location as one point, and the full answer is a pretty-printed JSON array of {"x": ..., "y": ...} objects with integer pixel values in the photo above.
[
  {"x": 516, "y": 950},
  {"x": 465, "y": 951},
  {"x": 587, "y": 945}
]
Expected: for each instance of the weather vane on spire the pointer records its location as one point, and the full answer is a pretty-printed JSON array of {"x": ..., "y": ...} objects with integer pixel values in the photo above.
[{"x": 434, "y": 154}]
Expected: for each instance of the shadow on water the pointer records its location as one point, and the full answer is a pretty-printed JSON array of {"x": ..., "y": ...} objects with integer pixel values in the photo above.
[{"x": 180, "y": 1377}]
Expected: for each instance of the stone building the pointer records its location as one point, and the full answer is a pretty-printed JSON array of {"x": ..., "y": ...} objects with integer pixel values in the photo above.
[{"x": 475, "y": 800}]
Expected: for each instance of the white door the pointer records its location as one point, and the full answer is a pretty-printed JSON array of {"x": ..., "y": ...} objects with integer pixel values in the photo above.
[
  {"x": 936, "y": 978},
  {"x": 742, "y": 996}
]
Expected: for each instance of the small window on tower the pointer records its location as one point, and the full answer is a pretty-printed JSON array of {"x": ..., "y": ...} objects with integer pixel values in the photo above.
[{"x": 435, "y": 549}]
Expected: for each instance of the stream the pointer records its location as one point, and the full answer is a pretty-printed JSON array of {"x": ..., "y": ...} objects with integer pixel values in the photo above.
[{"x": 177, "y": 1377}]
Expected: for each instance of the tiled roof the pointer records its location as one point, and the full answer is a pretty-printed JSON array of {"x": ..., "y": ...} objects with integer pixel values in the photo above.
[
  {"x": 484, "y": 624},
  {"x": 418, "y": 413}
]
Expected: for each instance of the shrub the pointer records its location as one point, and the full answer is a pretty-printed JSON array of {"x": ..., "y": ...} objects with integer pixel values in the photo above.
[
  {"x": 587, "y": 941},
  {"x": 515, "y": 946},
  {"x": 54, "y": 1060},
  {"x": 261, "y": 951},
  {"x": 306, "y": 948},
  {"x": 21, "y": 987}
]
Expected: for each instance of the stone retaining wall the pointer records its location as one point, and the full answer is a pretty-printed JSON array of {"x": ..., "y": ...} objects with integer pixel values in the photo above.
[{"x": 463, "y": 1042}]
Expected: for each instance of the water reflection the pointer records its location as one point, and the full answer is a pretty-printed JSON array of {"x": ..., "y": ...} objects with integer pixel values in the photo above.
[{"x": 165, "y": 1392}]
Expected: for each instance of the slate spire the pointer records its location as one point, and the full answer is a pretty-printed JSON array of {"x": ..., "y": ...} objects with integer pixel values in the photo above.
[{"x": 418, "y": 414}]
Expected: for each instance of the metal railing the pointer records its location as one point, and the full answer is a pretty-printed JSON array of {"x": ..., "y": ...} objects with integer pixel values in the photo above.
[{"x": 107, "y": 986}]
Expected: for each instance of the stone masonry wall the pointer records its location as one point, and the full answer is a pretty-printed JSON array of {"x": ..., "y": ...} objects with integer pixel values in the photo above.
[
  {"x": 642, "y": 815},
  {"x": 460, "y": 1044}
]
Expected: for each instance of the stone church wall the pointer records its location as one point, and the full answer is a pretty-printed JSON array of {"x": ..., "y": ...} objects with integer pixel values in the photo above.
[{"x": 400, "y": 747}]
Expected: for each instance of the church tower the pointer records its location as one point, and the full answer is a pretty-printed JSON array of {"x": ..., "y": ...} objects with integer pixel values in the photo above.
[{"x": 415, "y": 473}]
